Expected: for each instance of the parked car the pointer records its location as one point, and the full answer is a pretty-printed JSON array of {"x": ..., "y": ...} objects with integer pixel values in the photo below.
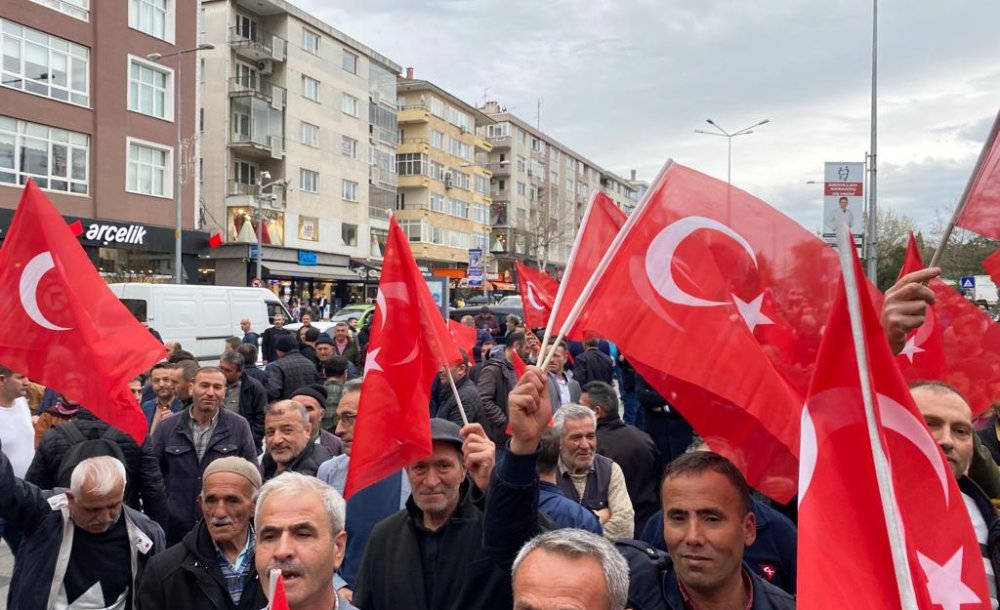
[
  {"x": 363, "y": 312},
  {"x": 506, "y": 305}
]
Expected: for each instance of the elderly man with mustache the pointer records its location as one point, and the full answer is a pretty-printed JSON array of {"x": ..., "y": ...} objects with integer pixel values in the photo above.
[{"x": 213, "y": 566}]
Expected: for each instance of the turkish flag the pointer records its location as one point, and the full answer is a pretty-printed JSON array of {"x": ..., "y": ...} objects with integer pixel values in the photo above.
[
  {"x": 538, "y": 294},
  {"x": 922, "y": 357},
  {"x": 519, "y": 365},
  {"x": 718, "y": 301},
  {"x": 215, "y": 240},
  {"x": 981, "y": 200},
  {"x": 839, "y": 491},
  {"x": 61, "y": 325},
  {"x": 408, "y": 346},
  {"x": 279, "y": 600},
  {"x": 992, "y": 266},
  {"x": 601, "y": 222},
  {"x": 464, "y": 337}
]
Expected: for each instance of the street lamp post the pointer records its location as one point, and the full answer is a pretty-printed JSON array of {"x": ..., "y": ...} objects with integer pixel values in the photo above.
[
  {"x": 264, "y": 175},
  {"x": 729, "y": 139},
  {"x": 178, "y": 183}
]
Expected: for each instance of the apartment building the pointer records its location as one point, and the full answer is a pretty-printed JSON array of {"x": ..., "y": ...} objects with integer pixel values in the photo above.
[
  {"x": 87, "y": 115},
  {"x": 539, "y": 192},
  {"x": 444, "y": 193},
  {"x": 299, "y": 133}
]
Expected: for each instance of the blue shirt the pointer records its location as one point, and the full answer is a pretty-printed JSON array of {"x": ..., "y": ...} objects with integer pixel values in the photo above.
[{"x": 565, "y": 512}]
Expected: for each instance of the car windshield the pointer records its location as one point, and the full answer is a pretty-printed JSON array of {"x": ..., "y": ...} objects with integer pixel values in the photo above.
[
  {"x": 510, "y": 301},
  {"x": 351, "y": 311}
]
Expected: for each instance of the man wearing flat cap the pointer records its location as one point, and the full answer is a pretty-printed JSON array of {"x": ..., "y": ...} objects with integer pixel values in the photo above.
[
  {"x": 213, "y": 566},
  {"x": 436, "y": 542},
  {"x": 292, "y": 370}
]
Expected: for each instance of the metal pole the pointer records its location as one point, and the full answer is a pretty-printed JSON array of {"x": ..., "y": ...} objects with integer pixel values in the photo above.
[
  {"x": 729, "y": 163},
  {"x": 178, "y": 183},
  {"x": 873, "y": 166},
  {"x": 260, "y": 226}
]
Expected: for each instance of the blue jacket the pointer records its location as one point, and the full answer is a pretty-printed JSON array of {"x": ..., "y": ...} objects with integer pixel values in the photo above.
[
  {"x": 773, "y": 554},
  {"x": 149, "y": 409},
  {"x": 45, "y": 549},
  {"x": 565, "y": 512},
  {"x": 172, "y": 445}
]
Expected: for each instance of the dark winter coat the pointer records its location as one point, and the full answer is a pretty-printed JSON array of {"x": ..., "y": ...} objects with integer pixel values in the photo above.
[
  {"x": 593, "y": 365},
  {"x": 187, "y": 575},
  {"x": 448, "y": 406},
  {"x": 172, "y": 445},
  {"x": 496, "y": 380},
  {"x": 306, "y": 463},
  {"x": 291, "y": 372},
  {"x": 253, "y": 400},
  {"x": 636, "y": 453}
]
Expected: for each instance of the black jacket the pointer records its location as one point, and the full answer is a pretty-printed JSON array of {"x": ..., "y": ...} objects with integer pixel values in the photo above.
[
  {"x": 496, "y": 380},
  {"x": 593, "y": 365},
  {"x": 391, "y": 576},
  {"x": 982, "y": 501},
  {"x": 253, "y": 400},
  {"x": 187, "y": 575},
  {"x": 144, "y": 485},
  {"x": 306, "y": 463},
  {"x": 636, "y": 453},
  {"x": 289, "y": 373},
  {"x": 269, "y": 338},
  {"x": 448, "y": 406},
  {"x": 172, "y": 445}
]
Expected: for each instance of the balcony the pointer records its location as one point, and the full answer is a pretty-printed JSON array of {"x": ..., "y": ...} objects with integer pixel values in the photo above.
[
  {"x": 414, "y": 145},
  {"x": 257, "y": 46},
  {"x": 483, "y": 145},
  {"x": 409, "y": 115},
  {"x": 257, "y": 146},
  {"x": 257, "y": 127},
  {"x": 498, "y": 143},
  {"x": 414, "y": 181},
  {"x": 262, "y": 89}
]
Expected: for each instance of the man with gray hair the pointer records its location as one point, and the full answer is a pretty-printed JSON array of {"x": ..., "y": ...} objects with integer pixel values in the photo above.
[
  {"x": 213, "y": 566},
  {"x": 627, "y": 446},
  {"x": 82, "y": 548},
  {"x": 300, "y": 532},
  {"x": 593, "y": 480},
  {"x": 592, "y": 573},
  {"x": 244, "y": 395},
  {"x": 287, "y": 431}
]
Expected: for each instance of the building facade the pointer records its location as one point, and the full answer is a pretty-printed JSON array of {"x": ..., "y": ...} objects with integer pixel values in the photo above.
[
  {"x": 302, "y": 124},
  {"x": 443, "y": 202},
  {"x": 540, "y": 191},
  {"x": 93, "y": 121}
]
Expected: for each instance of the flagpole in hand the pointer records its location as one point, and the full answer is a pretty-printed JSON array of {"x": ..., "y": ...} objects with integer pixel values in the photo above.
[
  {"x": 897, "y": 545},
  {"x": 458, "y": 399}
]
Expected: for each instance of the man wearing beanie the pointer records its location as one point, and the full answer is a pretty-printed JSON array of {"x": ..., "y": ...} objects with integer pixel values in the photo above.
[
  {"x": 313, "y": 398},
  {"x": 213, "y": 566},
  {"x": 292, "y": 370}
]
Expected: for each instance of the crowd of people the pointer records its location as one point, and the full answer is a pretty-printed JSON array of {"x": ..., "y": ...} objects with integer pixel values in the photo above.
[{"x": 578, "y": 486}]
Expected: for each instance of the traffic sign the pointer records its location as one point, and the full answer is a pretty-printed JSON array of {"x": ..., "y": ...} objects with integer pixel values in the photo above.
[{"x": 968, "y": 282}]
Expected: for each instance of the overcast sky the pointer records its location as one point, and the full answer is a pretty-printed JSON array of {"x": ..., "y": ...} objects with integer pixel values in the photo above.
[{"x": 626, "y": 83}]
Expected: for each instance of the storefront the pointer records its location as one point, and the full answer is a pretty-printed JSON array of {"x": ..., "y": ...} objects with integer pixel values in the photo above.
[{"x": 136, "y": 252}]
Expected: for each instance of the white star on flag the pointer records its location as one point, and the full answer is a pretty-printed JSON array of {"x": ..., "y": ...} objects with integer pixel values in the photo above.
[
  {"x": 911, "y": 349},
  {"x": 944, "y": 582},
  {"x": 750, "y": 312},
  {"x": 371, "y": 364}
]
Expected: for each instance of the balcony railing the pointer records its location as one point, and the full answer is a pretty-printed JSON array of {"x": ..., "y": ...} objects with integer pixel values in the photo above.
[{"x": 257, "y": 44}]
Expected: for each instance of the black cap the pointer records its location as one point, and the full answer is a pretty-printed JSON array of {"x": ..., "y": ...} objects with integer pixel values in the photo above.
[
  {"x": 286, "y": 343},
  {"x": 324, "y": 339},
  {"x": 314, "y": 390},
  {"x": 446, "y": 431}
]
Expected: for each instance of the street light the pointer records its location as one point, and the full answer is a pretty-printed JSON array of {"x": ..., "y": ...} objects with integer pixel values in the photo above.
[
  {"x": 261, "y": 177},
  {"x": 178, "y": 270},
  {"x": 729, "y": 138}
]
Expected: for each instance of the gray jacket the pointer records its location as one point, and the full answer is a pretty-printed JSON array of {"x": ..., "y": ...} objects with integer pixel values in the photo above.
[{"x": 574, "y": 391}]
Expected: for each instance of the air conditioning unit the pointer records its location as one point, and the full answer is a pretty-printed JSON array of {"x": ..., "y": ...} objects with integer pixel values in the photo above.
[
  {"x": 265, "y": 66},
  {"x": 447, "y": 181}
]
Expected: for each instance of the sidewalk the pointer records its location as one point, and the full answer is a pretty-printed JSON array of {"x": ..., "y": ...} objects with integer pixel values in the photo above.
[{"x": 6, "y": 569}]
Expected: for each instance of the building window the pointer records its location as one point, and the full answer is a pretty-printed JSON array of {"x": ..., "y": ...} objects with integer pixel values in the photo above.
[
  {"x": 310, "y": 41},
  {"x": 437, "y": 203},
  {"x": 349, "y": 147},
  {"x": 149, "y": 169},
  {"x": 414, "y": 229},
  {"x": 349, "y": 190},
  {"x": 38, "y": 63},
  {"x": 310, "y": 88},
  {"x": 499, "y": 130},
  {"x": 349, "y": 62},
  {"x": 153, "y": 17},
  {"x": 74, "y": 8},
  {"x": 149, "y": 89},
  {"x": 244, "y": 179},
  {"x": 411, "y": 164},
  {"x": 349, "y": 105},
  {"x": 56, "y": 159},
  {"x": 309, "y": 134},
  {"x": 308, "y": 180},
  {"x": 480, "y": 213},
  {"x": 349, "y": 234},
  {"x": 437, "y": 139},
  {"x": 522, "y": 189},
  {"x": 458, "y": 208}
]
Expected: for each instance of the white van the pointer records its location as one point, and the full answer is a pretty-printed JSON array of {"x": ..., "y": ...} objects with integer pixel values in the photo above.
[{"x": 199, "y": 317}]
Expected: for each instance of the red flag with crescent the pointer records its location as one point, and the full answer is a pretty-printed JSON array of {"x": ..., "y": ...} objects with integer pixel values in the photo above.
[
  {"x": 62, "y": 327},
  {"x": 601, "y": 222},
  {"x": 718, "y": 301},
  {"x": 839, "y": 490},
  {"x": 922, "y": 357},
  {"x": 409, "y": 344},
  {"x": 464, "y": 336},
  {"x": 981, "y": 200},
  {"x": 538, "y": 294}
]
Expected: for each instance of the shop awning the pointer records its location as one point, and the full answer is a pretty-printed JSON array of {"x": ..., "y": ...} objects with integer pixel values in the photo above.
[
  {"x": 321, "y": 272},
  {"x": 455, "y": 274}
]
